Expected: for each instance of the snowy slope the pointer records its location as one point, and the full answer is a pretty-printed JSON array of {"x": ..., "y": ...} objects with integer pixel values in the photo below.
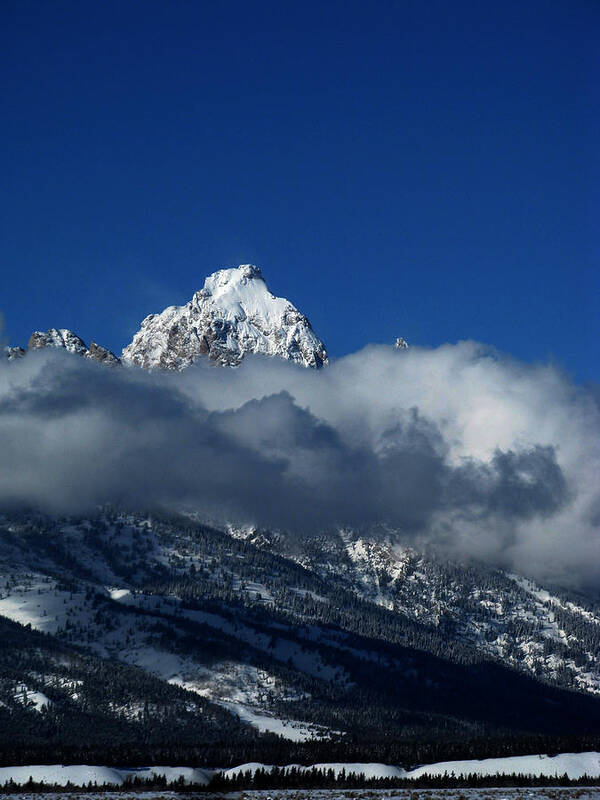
[
  {"x": 82, "y": 774},
  {"x": 233, "y": 314},
  {"x": 37, "y": 600},
  {"x": 369, "y": 770},
  {"x": 573, "y": 765},
  {"x": 503, "y": 616},
  {"x": 283, "y": 646}
]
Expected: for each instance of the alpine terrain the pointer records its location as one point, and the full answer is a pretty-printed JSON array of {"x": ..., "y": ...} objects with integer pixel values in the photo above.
[
  {"x": 233, "y": 314},
  {"x": 154, "y": 635}
]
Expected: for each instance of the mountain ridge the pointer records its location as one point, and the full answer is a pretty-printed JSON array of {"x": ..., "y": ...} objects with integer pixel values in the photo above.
[
  {"x": 304, "y": 647},
  {"x": 343, "y": 640},
  {"x": 233, "y": 315}
]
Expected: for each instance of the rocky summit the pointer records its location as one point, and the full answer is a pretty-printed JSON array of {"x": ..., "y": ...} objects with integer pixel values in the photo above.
[
  {"x": 232, "y": 315},
  {"x": 69, "y": 341}
]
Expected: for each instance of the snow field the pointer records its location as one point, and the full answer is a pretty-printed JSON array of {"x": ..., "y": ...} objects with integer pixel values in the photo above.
[{"x": 573, "y": 765}]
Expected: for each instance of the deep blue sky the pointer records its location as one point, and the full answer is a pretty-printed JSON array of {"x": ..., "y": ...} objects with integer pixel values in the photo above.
[{"x": 424, "y": 169}]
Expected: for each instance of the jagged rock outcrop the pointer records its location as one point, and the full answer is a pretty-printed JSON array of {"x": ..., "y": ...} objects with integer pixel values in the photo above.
[
  {"x": 61, "y": 338},
  {"x": 67, "y": 340},
  {"x": 102, "y": 354},
  {"x": 12, "y": 353},
  {"x": 232, "y": 315}
]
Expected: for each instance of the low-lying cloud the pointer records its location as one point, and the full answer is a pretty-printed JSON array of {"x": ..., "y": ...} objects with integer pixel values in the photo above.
[{"x": 455, "y": 446}]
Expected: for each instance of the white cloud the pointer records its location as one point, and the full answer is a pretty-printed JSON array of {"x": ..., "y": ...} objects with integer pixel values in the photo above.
[{"x": 459, "y": 446}]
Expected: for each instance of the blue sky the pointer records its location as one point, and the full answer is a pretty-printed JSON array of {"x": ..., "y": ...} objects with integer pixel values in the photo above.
[{"x": 428, "y": 170}]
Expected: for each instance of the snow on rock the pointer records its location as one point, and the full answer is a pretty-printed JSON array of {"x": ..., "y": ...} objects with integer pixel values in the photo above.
[
  {"x": 61, "y": 338},
  {"x": 30, "y": 697},
  {"x": 243, "y": 690},
  {"x": 233, "y": 314},
  {"x": 65, "y": 339},
  {"x": 12, "y": 353},
  {"x": 102, "y": 354}
]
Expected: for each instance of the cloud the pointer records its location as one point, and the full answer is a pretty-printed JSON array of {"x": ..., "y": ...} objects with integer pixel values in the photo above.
[{"x": 457, "y": 446}]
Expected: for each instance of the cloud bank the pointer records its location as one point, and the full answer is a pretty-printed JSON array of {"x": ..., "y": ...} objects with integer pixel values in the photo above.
[{"x": 456, "y": 446}]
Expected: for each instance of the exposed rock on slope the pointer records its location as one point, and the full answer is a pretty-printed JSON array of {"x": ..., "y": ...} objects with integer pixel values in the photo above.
[
  {"x": 102, "y": 354},
  {"x": 233, "y": 314},
  {"x": 62, "y": 338},
  {"x": 67, "y": 340},
  {"x": 348, "y": 632},
  {"x": 14, "y": 352}
]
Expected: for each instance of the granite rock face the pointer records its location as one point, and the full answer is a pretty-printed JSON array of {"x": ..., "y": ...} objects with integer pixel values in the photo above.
[
  {"x": 102, "y": 354},
  {"x": 232, "y": 315},
  {"x": 69, "y": 341},
  {"x": 61, "y": 338}
]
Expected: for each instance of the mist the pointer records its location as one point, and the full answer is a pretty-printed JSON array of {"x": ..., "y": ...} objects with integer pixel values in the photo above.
[{"x": 457, "y": 447}]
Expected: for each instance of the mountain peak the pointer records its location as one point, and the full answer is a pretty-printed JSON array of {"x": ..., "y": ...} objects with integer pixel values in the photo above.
[
  {"x": 234, "y": 276},
  {"x": 232, "y": 315},
  {"x": 65, "y": 339},
  {"x": 58, "y": 337},
  {"x": 236, "y": 285}
]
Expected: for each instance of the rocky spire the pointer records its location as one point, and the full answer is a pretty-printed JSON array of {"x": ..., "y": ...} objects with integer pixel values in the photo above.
[{"x": 232, "y": 315}]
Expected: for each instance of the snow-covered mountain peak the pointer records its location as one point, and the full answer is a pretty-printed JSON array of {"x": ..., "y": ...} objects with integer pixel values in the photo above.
[
  {"x": 240, "y": 293},
  {"x": 58, "y": 337},
  {"x": 65, "y": 339},
  {"x": 226, "y": 281},
  {"x": 232, "y": 315}
]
